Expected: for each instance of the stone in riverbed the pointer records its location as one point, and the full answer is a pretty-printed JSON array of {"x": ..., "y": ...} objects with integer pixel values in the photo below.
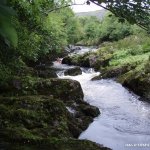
[
  {"x": 90, "y": 110},
  {"x": 73, "y": 71}
]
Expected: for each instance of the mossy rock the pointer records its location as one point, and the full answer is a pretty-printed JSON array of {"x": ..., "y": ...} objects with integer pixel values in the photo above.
[
  {"x": 43, "y": 121},
  {"x": 33, "y": 117},
  {"x": 96, "y": 60},
  {"x": 65, "y": 89},
  {"x": 138, "y": 82},
  {"x": 56, "y": 144},
  {"x": 113, "y": 72},
  {"x": 28, "y": 118},
  {"x": 77, "y": 60},
  {"x": 73, "y": 71},
  {"x": 44, "y": 71}
]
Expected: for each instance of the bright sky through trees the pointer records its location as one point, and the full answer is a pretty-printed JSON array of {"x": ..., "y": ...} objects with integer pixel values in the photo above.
[{"x": 84, "y": 8}]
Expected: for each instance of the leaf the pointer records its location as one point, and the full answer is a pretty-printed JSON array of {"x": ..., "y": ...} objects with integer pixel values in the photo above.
[
  {"x": 9, "y": 34},
  {"x": 7, "y": 31}
]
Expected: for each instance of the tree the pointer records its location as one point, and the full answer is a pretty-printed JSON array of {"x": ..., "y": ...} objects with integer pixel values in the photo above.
[
  {"x": 134, "y": 11},
  {"x": 112, "y": 30}
]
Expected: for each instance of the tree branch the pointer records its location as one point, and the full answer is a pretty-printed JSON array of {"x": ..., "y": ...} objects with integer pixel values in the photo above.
[
  {"x": 64, "y": 7},
  {"x": 99, "y": 5}
]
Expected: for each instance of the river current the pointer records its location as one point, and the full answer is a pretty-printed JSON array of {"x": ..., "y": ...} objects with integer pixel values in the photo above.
[{"x": 124, "y": 122}]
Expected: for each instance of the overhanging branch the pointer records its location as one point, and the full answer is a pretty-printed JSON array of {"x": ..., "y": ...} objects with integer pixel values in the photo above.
[{"x": 57, "y": 8}]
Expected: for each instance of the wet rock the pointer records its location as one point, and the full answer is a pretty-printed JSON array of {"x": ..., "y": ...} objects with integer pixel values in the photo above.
[
  {"x": 138, "y": 82},
  {"x": 56, "y": 144},
  {"x": 73, "y": 48},
  {"x": 38, "y": 117},
  {"x": 67, "y": 60},
  {"x": 46, "y": 74},
  {"x": 65, "y": 89},
  {"x": 32, "y": 117},
  {"x": 90, "y": 110},
  {"x": 96, "y": 60},
  {"x": 114, "y": 72},
  {"x": 73, "y": 71},
  {"x": 44, "y": 71},
  {"x": 76, "y": 60}
]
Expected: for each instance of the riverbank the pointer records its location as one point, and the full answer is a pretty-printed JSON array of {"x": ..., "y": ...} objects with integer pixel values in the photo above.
[
  {"x": 126, "y": 60},
  {"x": 40, "y": 110}
]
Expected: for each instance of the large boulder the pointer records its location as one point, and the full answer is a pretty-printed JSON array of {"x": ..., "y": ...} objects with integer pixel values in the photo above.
[
  {"x": 66, "y": 89},
  {"x": 69, "y": 92},
  {"x": 57, "y": 112},
  {"x": 33, "y": 118},
  {"x": 77, "y": 60},
  {"x": 89, "y": 110},
  {"x": 96, "y": 60},
  {"x": 46, "y": 74},
  {"x": 138, "y": 82},
  {"x": 73, "y": 71},
  {"x": 44, "y": 71},
  {"x": 113, "y": 72}
]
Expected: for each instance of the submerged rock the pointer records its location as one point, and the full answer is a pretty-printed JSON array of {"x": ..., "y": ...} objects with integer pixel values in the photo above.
[{"x": 73, "y": 71}]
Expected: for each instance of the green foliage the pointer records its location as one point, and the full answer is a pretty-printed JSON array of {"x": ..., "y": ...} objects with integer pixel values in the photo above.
[
  {"x": 7, "y": 30},
  {"x": 41, "y": 32},
  {"x": 131, "y": 50},
  {"x": 90, "y": 29},
  {"x": 74, "y": 31},
  {"x": 112, "y": 29},
  {"x": 109, "y": 29},
  {"x": 54, "y": 25},
  {"x": 135, "y": 11}
]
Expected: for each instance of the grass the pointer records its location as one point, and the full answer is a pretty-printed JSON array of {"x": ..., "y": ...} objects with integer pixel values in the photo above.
[
  {"x": 131, "y": 50},
  {"x": 129, "y": 59}
]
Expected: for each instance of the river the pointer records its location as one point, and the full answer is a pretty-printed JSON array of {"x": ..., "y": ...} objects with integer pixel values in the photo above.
[{"x": 124, "y": 122}]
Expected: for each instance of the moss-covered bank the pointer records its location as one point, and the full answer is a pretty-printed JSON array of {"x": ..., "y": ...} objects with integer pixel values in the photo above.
[{"x": 42, "y": 113}]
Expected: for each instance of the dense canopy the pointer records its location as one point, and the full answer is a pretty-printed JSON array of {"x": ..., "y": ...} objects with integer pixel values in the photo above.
[{"x": 135, "y": 11}]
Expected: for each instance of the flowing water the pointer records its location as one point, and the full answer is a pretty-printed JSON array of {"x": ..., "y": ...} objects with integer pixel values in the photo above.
[{"x": 124, "y": 123}]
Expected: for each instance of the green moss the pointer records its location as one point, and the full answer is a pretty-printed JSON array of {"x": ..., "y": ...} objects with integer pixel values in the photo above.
[
  {"x": 58, "y": 144},
  {"x": 33, "y": 117}
]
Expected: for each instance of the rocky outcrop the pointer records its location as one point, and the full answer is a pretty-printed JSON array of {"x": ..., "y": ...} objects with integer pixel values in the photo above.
[
  {"x": 73, "y": 71},
  {"x": 45, "y": 72},
  {"x": 40, "y": 119},
  {"x": 56, "y": 144},
  {"x": 45, "y": 112},
  {"x": 138, "y": 82},
  {"x": 89, "y": 59},
  {"x": 114, "y": 72},
  {"x": 77, "y": 60}
]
